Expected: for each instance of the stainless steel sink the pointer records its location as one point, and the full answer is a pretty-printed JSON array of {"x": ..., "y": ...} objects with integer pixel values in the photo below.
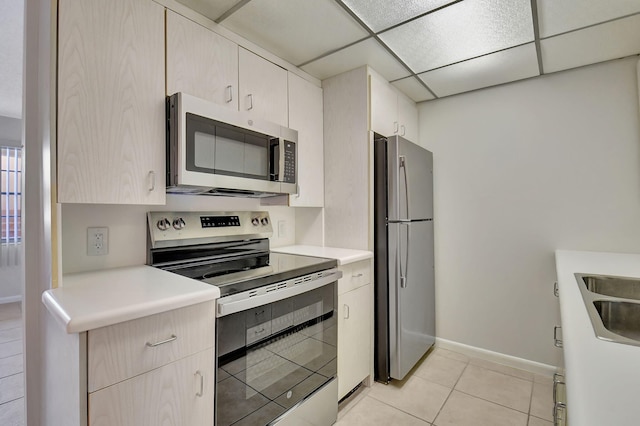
[
  {"x": 619, "y": 317},
  {"x": 613, "y": 304},
  {"x": 626, "y": 288}
]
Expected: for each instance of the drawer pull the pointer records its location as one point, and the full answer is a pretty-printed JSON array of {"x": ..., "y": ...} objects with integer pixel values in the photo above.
[
  {"x": 556, "y": 292},
  {"x": 346, "y": 311},
  {"x": 229, "y": 93},
  {"x": 357, "y": 275},
  {"x": 260, "y": 313},
  {"x": 170, "y": 339},
  {"x": 262, "y": 330},
  {"x": 199, "y": 394}
]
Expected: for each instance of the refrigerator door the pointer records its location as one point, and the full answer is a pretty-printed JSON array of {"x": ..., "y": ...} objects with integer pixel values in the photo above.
[
  {"x": 410, "y": 180},
  {"x": 411, "y": 295}
]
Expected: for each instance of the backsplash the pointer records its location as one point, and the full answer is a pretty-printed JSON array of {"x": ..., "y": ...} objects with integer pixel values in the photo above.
[{"x": 127, "y": 225}]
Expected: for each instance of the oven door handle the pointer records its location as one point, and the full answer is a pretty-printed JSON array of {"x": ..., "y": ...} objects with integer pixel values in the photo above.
[{"x": 249, "y": 299}]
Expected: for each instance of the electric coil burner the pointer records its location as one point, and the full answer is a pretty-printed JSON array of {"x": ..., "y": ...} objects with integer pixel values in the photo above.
[{"x": 276, "y": 325}]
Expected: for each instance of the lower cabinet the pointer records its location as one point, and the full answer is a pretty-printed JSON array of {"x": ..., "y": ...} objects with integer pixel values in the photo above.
[
  {"x": 179, "y": 393},
  {"x": 355, "y": 322}
]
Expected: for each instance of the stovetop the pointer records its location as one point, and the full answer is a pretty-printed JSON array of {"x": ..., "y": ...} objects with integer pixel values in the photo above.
[{"x": 279, "y": 267}]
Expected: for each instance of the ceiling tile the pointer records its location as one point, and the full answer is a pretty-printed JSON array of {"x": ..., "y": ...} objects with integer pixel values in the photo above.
[
  {"x": 464, "y": 30},
  {"x": 11, "y": 34},
  {"x": 296, "y": 30},
  {"x": 382, "y": 14},
  {"x": 555, "y": 17},
  {"x": 603, "y": 42},
  {"x": 211, "y": 9},
  {"x": 411, "y": 87},
  {"x": 497, "y": 68},
  {"x": 367, "y": 52}
]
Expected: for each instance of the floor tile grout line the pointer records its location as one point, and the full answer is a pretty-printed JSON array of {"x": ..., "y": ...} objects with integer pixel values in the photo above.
[
  {"x": 530, "y": 402},
  {"x": 493, "y": 402},
  {"x": 450, "y": 393},
  {"x": 401, "y": 410}
]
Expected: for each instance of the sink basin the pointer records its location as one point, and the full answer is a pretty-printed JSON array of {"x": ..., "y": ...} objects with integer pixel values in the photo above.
[
  {"x": 626, "y": 288},
  {"x": 613, "y": 305},
  {"x": 622, "y": 318}
]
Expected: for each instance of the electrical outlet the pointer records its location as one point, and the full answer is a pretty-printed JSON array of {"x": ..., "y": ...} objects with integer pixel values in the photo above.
[
  {"x": 282, "y": 229},
  {"x": 97, "y": 241}
]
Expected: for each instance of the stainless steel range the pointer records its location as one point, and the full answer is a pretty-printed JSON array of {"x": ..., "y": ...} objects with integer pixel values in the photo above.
[{"x": 276, "y": 324}]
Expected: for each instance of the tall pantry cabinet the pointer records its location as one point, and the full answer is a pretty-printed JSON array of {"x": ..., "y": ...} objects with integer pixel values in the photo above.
[
  {"x": 111, "y": 113},
  {"x": 356, "y": 104}
]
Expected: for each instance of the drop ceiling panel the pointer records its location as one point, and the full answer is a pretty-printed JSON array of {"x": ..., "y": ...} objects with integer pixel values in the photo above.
[
  {"x": 211, "y": 9},
  {"x": 367, "y": 52},
  {"x": 296, "y": 30},
  {"x": 461, "y": 31},
  {"x": 603, "y": 42},
  {"x": 411, "y": 87},
  {"x": 381, "y": 14},
  {"x": 558, "y": 16},
  {"x": 497, "y": 68}
]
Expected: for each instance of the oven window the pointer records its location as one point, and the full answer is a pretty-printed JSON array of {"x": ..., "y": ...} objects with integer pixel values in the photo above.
[{"x": 272, "y": 357}]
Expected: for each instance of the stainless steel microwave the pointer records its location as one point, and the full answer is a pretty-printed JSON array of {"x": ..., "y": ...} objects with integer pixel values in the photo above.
[{"x": 214, "y": 150}]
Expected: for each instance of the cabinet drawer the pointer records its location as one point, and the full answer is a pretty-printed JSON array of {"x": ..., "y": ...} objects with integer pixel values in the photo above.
[
  {"x": 354, "y": 275},
  {"x": 121, "y": 351},
  {"x": 180, "y": 393}
]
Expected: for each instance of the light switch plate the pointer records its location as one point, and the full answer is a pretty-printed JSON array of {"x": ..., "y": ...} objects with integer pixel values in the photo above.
[{"x": 97, "y": 241}]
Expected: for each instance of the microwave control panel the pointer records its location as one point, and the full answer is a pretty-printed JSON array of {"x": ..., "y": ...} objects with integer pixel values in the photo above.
[{"x": 289, "y": 175}]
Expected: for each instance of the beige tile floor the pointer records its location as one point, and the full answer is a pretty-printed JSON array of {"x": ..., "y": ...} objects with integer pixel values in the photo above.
[
  {"x": 11, "y": 371},
  {"x": 450, "y": 389}
]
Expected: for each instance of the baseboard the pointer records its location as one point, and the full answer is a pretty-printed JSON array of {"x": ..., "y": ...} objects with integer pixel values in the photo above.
[
  {"x": 508, "y": 360},
  {"x": 10, "y": 299}
]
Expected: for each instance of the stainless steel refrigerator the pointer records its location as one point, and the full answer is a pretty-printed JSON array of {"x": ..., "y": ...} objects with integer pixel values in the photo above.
[{"x": 404, "y": 271}]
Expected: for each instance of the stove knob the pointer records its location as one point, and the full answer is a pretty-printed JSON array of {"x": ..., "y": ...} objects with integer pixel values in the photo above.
[
  {"x": 163, "y": 224},
  {"x": 255, "y": 221},
  {"x": 178, "y": 223},
  {"x": 264, "y": 221}
]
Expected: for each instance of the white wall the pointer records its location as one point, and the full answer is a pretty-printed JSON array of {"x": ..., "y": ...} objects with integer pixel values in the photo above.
[
  {"x": 128, "y": 228},
  {"x": 521, "y": 170}
]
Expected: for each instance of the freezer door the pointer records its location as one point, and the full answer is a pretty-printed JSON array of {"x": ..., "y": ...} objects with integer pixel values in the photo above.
[
  {"x": 412, "y": 322},
  {"x": 410, "y": 180}
]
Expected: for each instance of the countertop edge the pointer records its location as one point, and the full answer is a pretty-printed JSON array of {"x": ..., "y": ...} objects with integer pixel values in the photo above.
[{"x": 342, "y": 255}]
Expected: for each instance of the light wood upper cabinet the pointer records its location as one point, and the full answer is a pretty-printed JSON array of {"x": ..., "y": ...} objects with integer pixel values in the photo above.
[
  {"x": 111, "y": 109},
  {"x": 305, "y": 116},
  {"x": 201, "y": 62},
  {"x": 263, "y": 88},
  {"x": 392, "y": 113}
]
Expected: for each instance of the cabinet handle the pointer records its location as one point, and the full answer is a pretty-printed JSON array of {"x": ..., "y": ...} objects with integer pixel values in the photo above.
[
  {"x": 152, "y": 180},
  {"x": 557, "y": 342},
  {"x": 395, "y": 127},
  {"x": 170, "y": 339},
  {"x": 260, "y": 331},
  {"x": 556, "y": 291},
  {"x": 357, "y": 275},
  {"x": 229, "y": 93},
  {"x": 403, "y": 130},
  {"x": 259, "y": 313},
  {"x": 199, "y": 394},
  {"x": 346, "y": 311},
  {"x": 250, "y": 96}
]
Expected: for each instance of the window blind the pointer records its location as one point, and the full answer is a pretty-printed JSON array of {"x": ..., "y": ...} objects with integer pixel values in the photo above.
[{"x": 10, "y": 205}]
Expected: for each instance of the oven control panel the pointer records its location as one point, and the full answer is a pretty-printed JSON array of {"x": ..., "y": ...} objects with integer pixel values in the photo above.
[{"x": 171, "y": 229}]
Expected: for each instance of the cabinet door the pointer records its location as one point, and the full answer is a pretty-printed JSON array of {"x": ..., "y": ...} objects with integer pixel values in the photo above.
[
  {"x": 111, "y": 107},
  {"x": 384, "y": 107},
  {"x": 263, "y": 88},
  {"x": 305, "y": 116},
  {"x": 408, "y": 118},
  {"x": 201, "y": 62},
  {"x": 180, "y": 393},
  {"x": 354, "y": 338}
]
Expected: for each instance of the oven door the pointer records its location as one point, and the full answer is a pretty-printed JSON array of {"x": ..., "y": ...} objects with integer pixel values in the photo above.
[{"x": 275, "y": 358}]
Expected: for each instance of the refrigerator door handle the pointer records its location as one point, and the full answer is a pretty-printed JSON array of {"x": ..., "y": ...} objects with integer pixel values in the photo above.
[
  {"x": 404, "y": 271},
  {"x": 403, "y": 166}
]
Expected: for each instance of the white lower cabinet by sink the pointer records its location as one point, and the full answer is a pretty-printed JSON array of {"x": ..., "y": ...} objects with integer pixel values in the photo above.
[
  {"x": 355, "y": 323},
  {"x": 149, "y": 371}
]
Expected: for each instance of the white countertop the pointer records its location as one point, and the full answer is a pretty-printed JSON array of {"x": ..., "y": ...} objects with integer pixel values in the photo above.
[
  {"x": 342, "y": 255},
  {"x": 603, "y": 378},
  {"x": 96, "y": 299}
]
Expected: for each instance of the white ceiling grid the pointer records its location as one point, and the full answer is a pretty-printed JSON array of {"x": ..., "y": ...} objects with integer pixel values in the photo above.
[{"x": 435, "y": 48}]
